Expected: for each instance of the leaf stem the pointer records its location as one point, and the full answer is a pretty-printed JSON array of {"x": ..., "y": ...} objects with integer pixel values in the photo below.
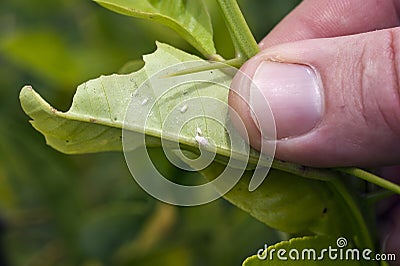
[
  {"x": 235, "y": 62},
  {"x": 243, "y": 40},
  {"x": 371, "y": 178}
]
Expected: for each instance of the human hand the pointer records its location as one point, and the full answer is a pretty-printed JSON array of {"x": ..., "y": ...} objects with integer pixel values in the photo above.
[{"x": 331, "y": 74}]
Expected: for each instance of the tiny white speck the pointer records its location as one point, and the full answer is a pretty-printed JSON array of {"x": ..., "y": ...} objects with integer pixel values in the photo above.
[
  {"x": 145, "y": 101},
  {"x": 135, "y": 93},
  {"x": 199, "y": 132},
  {"x": 183, "y": 108},
  {"x": 201, "y": 140}
]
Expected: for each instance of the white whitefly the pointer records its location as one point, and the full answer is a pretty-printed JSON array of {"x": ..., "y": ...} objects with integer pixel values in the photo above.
[
  {"x": 199, "y": 137},
  {"x": 145, "y": 101},
  {"x": 201, "y": 140},
  {"x": 183, "y": 108},
  {"x": 135, "y": 93}
]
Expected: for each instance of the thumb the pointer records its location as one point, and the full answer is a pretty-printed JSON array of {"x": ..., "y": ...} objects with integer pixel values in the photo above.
[{"x": 335, "y": 101}]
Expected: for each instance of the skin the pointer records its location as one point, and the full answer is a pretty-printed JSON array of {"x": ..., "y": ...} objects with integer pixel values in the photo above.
[{"x": 354, "y": 45}]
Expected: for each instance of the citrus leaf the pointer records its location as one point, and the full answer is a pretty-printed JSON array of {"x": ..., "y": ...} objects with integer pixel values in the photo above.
[
  {"x": 190, "y": 19},
  {"x": 289, "y": 203},
  {"x": 307, "y": 251},
  {"x": 96, "y": 117}
]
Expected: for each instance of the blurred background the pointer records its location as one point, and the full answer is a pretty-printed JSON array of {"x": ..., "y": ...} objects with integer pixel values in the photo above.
[{"x": 57, "y": 209}]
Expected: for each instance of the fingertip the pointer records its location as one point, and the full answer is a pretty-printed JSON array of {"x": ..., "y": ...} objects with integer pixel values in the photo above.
[
  {"x": 328, "y": 110},
  {"x": 238, "y": 101}
]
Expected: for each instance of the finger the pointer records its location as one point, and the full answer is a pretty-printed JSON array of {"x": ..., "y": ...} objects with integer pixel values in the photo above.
[
  {"x": 392, "y": 241},
  {"x": 327, "y": 18},
  {"x": 388, "y": 213},
  {"x": 336, "y": 101}
]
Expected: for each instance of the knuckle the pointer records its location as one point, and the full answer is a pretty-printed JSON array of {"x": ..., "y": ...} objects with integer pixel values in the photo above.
[{"x": 380, "y": 78}]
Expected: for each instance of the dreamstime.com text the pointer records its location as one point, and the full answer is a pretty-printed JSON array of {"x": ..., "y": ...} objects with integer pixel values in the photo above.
[{"x": 340, "y": 252}]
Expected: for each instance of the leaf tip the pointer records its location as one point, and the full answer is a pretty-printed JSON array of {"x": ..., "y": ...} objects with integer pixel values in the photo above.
[
  {"x": 24, "y": 90},
  {"x": 31, "y": 101},
  {"x": 24, "y": 95}
]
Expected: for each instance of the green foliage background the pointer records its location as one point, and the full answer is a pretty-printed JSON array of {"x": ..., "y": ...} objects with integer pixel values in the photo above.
[{"x": 57, "y": 209}]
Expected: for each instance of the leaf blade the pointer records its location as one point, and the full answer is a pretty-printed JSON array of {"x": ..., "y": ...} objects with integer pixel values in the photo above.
[
  {"x": 48, "y": 121},
  {"x": 190, "y": 19},
  {"x": 95, "y": 120}
]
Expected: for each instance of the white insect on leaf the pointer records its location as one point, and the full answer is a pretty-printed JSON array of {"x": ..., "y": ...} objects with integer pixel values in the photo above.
[
  {"x": 135, "y": 93},
  {"x": 199, "y": 138},
  {"x": 183, "y": 108},
  {"x": 145, "y": 101},
  {"x": 199, "y": 132}
]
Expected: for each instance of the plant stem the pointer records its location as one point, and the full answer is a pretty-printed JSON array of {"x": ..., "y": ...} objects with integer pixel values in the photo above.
[
  {"x": 371, "y": 178},
  {"x": 235, "y": 62},
  {"x": 243, "y": 40}
]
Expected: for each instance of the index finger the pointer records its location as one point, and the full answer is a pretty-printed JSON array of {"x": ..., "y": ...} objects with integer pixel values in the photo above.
[{"x": 327, "y": 18}]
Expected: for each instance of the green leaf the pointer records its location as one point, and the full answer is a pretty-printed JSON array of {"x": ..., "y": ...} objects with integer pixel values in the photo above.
[
  {"x": 131, "y": 66},
  {"x": 190, "y": 19},
  {"x": 96, "y": 117},
  {"x": 300, "y": 206},
  {"x": 289, "y": 203},
  {"x": 297, "y": 251},
  {"x": 94, "y": 121}
]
